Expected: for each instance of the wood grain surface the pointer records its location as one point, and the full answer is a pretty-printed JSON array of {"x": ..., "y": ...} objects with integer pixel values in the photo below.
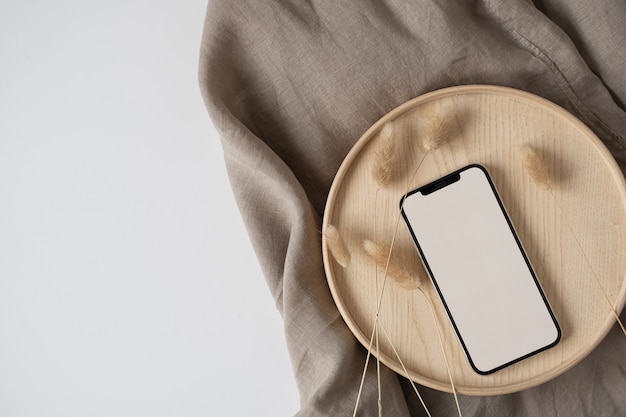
[{"x": 574, "y": 231}]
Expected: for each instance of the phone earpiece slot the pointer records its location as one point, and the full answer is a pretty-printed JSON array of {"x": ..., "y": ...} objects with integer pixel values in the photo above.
[{"x": 441, "y": 183}]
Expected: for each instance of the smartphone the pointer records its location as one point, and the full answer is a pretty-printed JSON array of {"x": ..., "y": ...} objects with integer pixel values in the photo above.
[{"x": 479, "y": 268}]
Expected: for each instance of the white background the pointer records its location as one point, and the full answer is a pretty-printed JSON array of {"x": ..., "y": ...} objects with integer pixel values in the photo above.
[{"x": 128, "y": 286}]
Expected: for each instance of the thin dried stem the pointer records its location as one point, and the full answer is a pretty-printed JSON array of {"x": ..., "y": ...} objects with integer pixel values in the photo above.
[
  {"x": 367, "y": 361},
  {"x": 406, "y": 371},
  {"x": 380, "y": 400},
  {"x": 443, "y": 351},
  {"x": 380, "y": 394}
]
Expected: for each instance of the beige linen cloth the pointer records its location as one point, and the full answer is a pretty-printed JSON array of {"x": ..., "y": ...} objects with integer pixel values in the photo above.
[{"x": 292, "y": 84}]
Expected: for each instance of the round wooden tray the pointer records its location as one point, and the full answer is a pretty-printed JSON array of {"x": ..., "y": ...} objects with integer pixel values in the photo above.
[{"x": 574, "y": 231}]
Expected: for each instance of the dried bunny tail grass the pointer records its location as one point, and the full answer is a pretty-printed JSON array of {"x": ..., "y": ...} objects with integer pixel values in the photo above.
[
  {"x": 437, "y": 132},
  {"x": 534, "y": 166},
  {"x": 383, "y": 169},
  {"x": 336, "y": 246},
  {"x": 536, "y": 169},
  {"x": 395, "y": 269},
  {"x": 410, "y": 281}
]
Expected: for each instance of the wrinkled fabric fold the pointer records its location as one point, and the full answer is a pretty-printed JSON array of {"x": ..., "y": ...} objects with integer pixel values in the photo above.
[{"x": 291, "y": 85}]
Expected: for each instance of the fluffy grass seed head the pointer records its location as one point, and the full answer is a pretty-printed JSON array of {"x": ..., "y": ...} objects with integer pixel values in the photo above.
[
  {"x": 384, "y": 153},
  {"x": 534, "y": 165},
  {"x": 437, "y": 131},
  {"x": 395, "y": 268},
  {"x": 337, "y": 246}
]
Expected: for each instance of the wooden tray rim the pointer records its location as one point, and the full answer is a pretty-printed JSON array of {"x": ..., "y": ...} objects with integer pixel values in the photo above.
[{"x": 354, "y": 152}]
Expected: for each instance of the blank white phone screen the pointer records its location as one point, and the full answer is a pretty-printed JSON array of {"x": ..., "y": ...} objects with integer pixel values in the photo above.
[{"x": 477, "y": 264}]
